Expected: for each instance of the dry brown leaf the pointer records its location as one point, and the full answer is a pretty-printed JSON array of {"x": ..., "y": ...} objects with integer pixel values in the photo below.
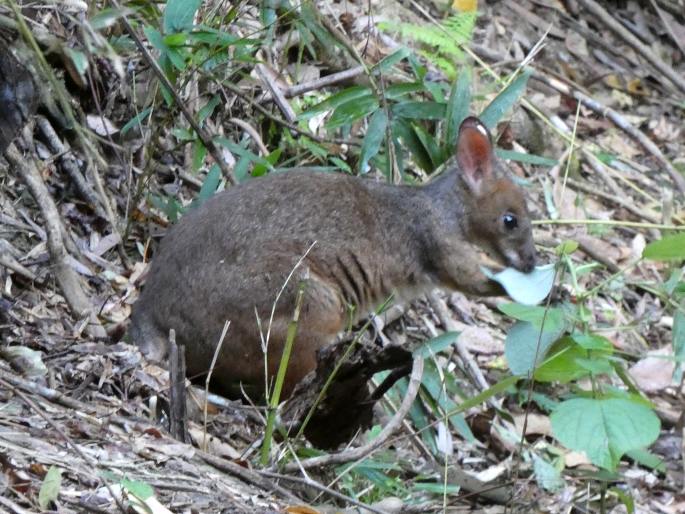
[
  {"x": 480, "y": 340},
  {"x": 654, "y": 372},
  {"x": 537, "y": 424},
  {"x": 575, "y": 459}
]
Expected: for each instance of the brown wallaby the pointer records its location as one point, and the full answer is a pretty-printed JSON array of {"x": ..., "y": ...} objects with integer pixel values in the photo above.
[{"x": 228, "y": 259}]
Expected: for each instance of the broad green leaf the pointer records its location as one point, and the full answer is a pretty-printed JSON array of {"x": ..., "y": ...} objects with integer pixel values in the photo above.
[
  {"x": 175, "y": 40},
  {"x": 352, "y": 111},
  {"x": 333, "y": 101},
  {"x": 562, "y": 365},
  {"x": 593, "y": 342},
  {"x": 648, "y": 459},
  {"x": 547, "y": 476},
  {"x": 526, "y": 288},
  {"x": 526, "y": 346},
  {"x": 419, "y": 110},
  {"x": 527, "y": 158},
  {"x": 373, "y": 138},
  {"x": 505, "y": 100},
  {"x": 457, "y": 108},
  {"x": 666, "y": 249},
  {"x": 552, "y": 318},
  {"x": 597, "y": 365},
  {"x": 605, "y": 429},
  {"x": 49, "y": 489},
  {"x": 179, "y": 14}
]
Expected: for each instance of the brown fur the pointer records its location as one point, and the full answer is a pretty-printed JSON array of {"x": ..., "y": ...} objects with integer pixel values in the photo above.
[{"x": 229, "y": 258}]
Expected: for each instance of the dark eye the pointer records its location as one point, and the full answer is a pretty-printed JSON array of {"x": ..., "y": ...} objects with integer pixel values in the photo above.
[{"x": 510, "y": 221}]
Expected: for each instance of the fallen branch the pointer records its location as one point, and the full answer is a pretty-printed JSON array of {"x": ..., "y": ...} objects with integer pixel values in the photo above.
[
  {"x": 67, "y": 278},
  {"x": 600, "y": 13}
]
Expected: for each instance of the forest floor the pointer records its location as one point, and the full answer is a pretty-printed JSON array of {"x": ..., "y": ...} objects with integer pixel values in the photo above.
[{"x": 82, "y": 417}]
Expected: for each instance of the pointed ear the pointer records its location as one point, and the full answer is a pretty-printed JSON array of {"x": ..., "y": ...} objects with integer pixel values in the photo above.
[{"x": 474, "y": 154}]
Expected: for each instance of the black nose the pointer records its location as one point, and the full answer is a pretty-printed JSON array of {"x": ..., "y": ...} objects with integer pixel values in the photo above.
[{"x": 528, "y": 263}]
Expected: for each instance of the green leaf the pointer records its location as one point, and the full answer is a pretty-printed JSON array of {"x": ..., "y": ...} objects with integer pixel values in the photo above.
[
  {"x": 429, "y": 143},
  {"x": 419, "y": 110},
  {"x": 593, "y": 342},
  {"x": 552, "y": 317},
  {"x": 199, "y": 154},
  {"x": 401, "y": 129},
  {"x": 261, "y": 168},
  {"x": 505, "y": 100},
  {"x": 208, "y": 109},
  {"x": 566, "y": 248},
  {"x": 139, "y": 489},
  {"x": 647, "y": 459},
  {"x": 436, "y": 488},
  {"x": 547, "y": 476},
  {"x": 526, "y": 288},
  {"x": 155, "y": 38},
  {"x": 389, "y": 61},
  {"x": 457, "y": 108},
  {"x": 625, "y": 497},
  {"x": 605, "y": 429},
  {"x": 527, "y": 158},
  {"x": 179, "y": 14},
  {"x": 79, "y": 59},
  {"x": 678, "y": 344},
  {"x": 476, "y": 400},
  {"x": 175, "y": 40},
  {"x": 352, "y": 111},
  {"x": 432, "y": 383},
  {"x": 436, "y": 345},
  {"x": 333, "y": 101},
  {"x": 168, "y": 205},
  {"x": 562, "y": 366},
  {"x": 396, "y": 91},
  {"x": 107, "y": 17},
  {"x": 665, "y": 249},
  {"x": 49, "y": 489},
  {"x": 373, "y": 138},
  {"x": 521, "y": 346},
  {"x": 137, "y": 119}
]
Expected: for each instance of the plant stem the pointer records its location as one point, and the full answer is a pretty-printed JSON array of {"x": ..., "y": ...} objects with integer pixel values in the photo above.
[
  {"x": 613, "y": 223},
  {"x": 280, "y": 377}
]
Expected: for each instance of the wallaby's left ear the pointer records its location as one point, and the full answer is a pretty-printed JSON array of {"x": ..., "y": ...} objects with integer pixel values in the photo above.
[{"x": 474, "y": 154}]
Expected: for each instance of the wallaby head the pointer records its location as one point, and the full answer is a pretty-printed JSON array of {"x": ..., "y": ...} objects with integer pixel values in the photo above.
[{"x": 495, "y": 214}]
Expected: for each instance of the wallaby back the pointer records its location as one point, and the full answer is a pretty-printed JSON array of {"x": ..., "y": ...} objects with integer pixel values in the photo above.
[{"x": 361, "y": 241}]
